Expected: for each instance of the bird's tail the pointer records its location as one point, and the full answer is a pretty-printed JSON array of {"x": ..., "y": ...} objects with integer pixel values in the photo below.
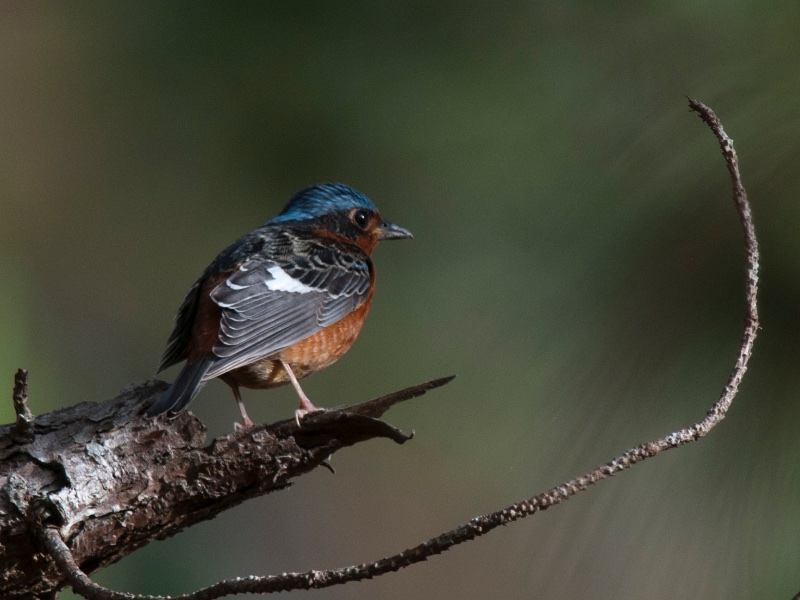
[{"x": 182, "y": 391}]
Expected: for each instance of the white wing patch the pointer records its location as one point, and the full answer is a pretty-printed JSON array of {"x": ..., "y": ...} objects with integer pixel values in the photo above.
[{"x": 283, "y": 282}]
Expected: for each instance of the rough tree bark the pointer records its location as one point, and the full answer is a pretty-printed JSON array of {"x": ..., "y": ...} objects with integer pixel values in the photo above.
[{"x": 112, "y": 481}]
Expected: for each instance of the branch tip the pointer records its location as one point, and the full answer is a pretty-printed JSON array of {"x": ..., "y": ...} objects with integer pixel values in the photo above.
[{"x": 22, "y": 430}]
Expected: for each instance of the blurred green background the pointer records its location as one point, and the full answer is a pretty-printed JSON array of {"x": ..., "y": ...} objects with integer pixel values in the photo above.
[{"x": 577, "y": 262}]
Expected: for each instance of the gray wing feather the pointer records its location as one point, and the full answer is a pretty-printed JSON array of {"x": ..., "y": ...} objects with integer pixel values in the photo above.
[
  {"x": 257, "y": 321},
  {"x": 179, "y": 339}
]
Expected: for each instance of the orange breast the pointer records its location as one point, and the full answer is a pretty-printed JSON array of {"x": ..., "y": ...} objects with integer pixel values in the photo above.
[
  {"x": 327, "y": 345},
  {"x": 307, "y": 356}
]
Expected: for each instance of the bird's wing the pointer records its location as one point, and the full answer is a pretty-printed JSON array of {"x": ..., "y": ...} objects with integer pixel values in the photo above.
[
  {"x": 178, "y": 343},
  {"x": 268, "y": 304}
]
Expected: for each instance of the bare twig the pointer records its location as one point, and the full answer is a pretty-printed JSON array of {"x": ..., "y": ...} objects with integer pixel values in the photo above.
[
  {"x": 23, "y": 428},
  {"x": 482, "y": 525}
]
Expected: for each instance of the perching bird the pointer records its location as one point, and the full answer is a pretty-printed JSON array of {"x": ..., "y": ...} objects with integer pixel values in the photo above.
[{"x": 284, "y": 301}]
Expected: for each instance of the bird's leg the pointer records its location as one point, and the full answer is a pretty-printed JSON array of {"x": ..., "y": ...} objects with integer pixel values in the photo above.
[
  {"x": 306, "y": 406},
  {"x": 246, "y": 422}
]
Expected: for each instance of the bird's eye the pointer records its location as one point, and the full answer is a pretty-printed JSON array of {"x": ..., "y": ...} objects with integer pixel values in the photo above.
[{"x": 361, "y": 218}]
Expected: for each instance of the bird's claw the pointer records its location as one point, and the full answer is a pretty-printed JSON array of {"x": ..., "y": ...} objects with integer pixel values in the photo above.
[
  {"x": 302, "y": 412},
  {"x": 244, "y": 425}
]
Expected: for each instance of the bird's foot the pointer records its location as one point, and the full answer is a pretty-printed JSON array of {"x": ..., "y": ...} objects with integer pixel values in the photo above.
[
  {"x": 245, "y": 424},
  {"x": 306, "y": 407}
]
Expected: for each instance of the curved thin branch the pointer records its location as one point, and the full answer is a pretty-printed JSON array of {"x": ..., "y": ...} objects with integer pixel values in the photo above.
[{"x": 482, "y": 525}]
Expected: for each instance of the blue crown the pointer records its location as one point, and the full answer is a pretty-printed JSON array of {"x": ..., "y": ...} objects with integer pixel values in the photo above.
[{"x": 323, "y": 199}]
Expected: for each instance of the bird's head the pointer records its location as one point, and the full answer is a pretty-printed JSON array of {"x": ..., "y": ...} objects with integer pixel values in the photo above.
[{"x": 335, "y": 209}]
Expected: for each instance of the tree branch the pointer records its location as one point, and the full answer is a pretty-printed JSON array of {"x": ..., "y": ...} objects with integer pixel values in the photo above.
[
  {"x": 110, "y": 481},
  {"x": 51, "y": 537}
]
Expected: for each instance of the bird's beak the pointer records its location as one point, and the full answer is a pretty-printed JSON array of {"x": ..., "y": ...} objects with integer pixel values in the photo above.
[{"x": 390, "y": 231}]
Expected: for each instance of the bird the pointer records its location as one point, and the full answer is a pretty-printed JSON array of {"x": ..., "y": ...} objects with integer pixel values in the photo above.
[{"x": 282, "y": 302}]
